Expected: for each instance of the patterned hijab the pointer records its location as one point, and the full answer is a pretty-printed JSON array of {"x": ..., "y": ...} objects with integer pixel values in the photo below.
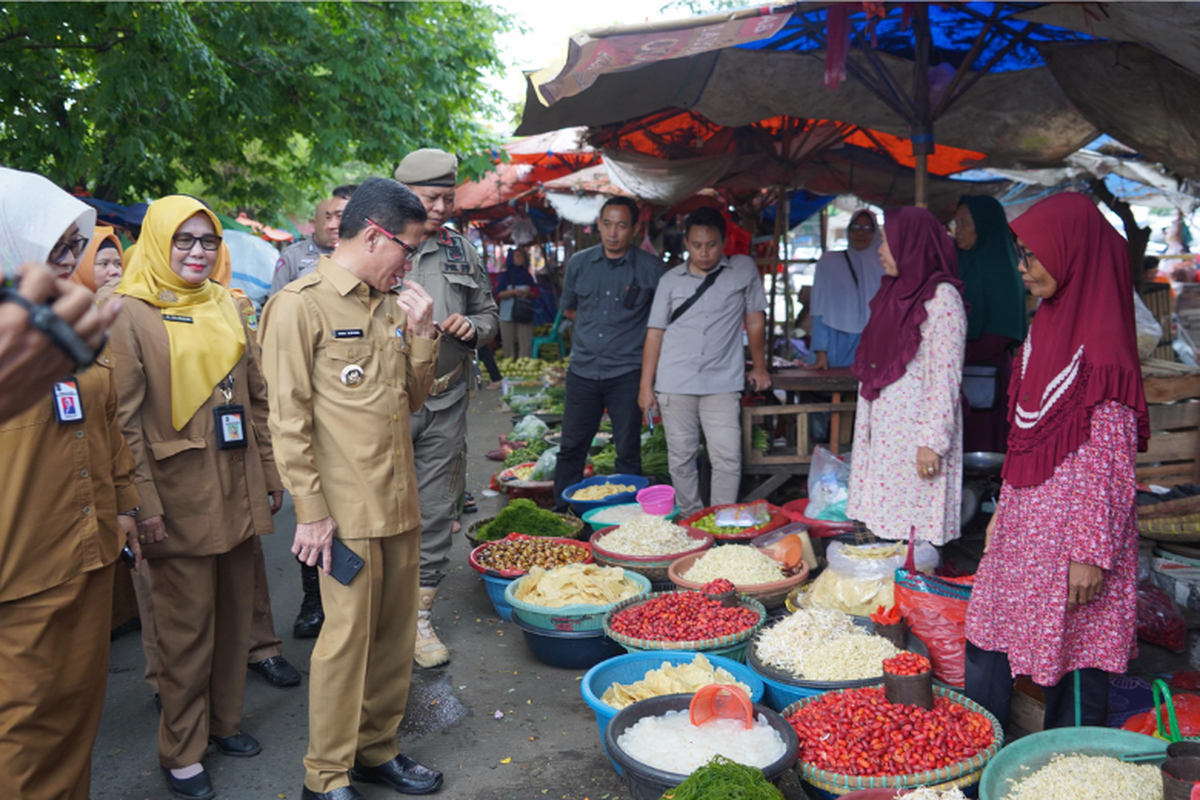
[
  {"x": 1081, "y": 350},
  {"x": 925, "y": 257}
]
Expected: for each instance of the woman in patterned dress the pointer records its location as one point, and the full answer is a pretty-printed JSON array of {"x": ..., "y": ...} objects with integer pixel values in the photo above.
[
  {"x": 1055, "y": 594},
  {"x": 906, "y": 473}
]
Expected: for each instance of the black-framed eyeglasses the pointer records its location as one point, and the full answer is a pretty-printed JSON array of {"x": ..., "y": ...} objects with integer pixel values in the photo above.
[
  {"x": 75, "y": 246},
  {"x": 1025, "y": 255},
  {"x": 186, "y": 241},
  {"x": 408, "y": 248}
]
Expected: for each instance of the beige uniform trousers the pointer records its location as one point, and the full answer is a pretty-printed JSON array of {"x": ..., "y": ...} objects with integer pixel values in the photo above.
[
  {"x": 202, "y": 607},
  {"x": 518, "y": 339},
  {"x": 720, "y": 416},
  {"x": 363, "y": 660},
  {"x": 264, "y": 642},
  {"x": 54, "y": 666}
]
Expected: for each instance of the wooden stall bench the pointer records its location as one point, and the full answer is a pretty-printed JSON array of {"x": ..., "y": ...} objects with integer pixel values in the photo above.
[{"x": 1173, "y": 397}]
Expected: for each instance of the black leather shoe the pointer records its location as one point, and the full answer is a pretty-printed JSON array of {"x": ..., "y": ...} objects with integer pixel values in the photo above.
[
  {"x": 401, "y": 773},
  {"x": 340, "y": 793},
  {"x": 197, "y": 787},
  {"x": 240, "y": 745},
  {"x": 276, "y": 670},
  {"x": 312, "y": 615}
]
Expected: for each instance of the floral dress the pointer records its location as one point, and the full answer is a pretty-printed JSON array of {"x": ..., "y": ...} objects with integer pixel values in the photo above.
[
  {"x": 1086, "y": 512},
  {"x": 922, "y": 409}
]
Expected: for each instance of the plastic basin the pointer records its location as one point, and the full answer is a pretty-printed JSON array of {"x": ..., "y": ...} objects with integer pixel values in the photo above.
[
  {"x": 656, "y": 568},
  {"x": 632, "y": 667},
  {"x": 657, "y": 499},
  {"x": 596, "y": 525},
  {"x": 495, "y": 591},
  {"x": 577, "y": 617},
  {"x": 568, "y": 649},
  {"x": 647, "y": 783},
  {"x": 582, "y": 506},
  {"x": 771, "y": 595}
]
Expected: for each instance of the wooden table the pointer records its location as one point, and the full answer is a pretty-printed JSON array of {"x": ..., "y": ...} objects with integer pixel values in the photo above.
[{"x": 781, "y": 466}]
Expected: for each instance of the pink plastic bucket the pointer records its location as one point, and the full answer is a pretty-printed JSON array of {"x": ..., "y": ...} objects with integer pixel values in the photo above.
[{"x": 657, "y": 499}]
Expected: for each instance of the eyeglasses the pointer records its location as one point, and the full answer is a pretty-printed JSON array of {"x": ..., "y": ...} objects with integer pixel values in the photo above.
[
  {"x": 186, "y": 241},
  {"x": 1025, "y": 255},
  {"x": 408, "y": 248},
  {"x": 75, "y": 246},
  {"x": 869, "y": 228}
]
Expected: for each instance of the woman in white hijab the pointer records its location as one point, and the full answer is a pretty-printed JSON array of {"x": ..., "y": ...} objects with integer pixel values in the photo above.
[
  {"x": 844, "y": 283},
  {"x": 66, "y": 489}
]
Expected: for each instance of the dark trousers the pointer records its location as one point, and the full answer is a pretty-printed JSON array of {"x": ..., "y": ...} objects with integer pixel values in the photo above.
[
  {"x": 585, "y": 404},
  {"x": 489, "y": 360},
  {"x": 990, "y": 683}
]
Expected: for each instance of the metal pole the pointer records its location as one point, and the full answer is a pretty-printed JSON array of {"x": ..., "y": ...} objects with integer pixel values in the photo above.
[{"x": 922, "y": 128}]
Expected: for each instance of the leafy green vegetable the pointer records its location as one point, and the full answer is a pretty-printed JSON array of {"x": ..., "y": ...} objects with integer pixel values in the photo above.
[
  {"x": 530, "y": 452},
  {"x": 722, "y": 779},
  {"x": 654, "y": 453},
  {"x": 523, "y": 516},
  {"x": 605, "y": 462}
]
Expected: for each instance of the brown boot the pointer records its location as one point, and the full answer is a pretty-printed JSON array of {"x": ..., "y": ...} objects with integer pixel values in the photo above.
[{"x": 429, "y": 652}]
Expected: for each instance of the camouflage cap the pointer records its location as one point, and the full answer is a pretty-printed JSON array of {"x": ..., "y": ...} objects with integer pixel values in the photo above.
[{"x": 428, "y": 167}]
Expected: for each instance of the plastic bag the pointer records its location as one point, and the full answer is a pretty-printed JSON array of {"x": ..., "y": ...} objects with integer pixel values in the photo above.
[
  {"x": 529, "y": 429},
  {"x": 748, "y": 516},
  {"x": 828, "y": 486},
  {"x": 1158, "y": 618},
  {"x": 860, "y": 578},
  {"x": 935, "y": 609},
  {"x": 543, "y": 470},
  {"x": 1149, "y": 332},
  {"x": 1187, "y": 714},
  {"x": 527, "y": 403}
]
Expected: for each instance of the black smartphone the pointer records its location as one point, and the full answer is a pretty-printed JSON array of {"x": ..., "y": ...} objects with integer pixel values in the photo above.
[
  {"x": 128, "y": 557},
  {"x": 346, "y": 563}
]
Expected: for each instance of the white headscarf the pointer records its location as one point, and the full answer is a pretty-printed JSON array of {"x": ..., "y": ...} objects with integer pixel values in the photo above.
[
  {"x": 34, "y": 214},
  {"x": 837, "y": 299}
]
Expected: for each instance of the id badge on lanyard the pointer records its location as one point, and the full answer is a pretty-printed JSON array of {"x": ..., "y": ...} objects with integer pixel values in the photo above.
[
  {"x": 68, "y": 405},
  {"x": 229, "y": 420}
]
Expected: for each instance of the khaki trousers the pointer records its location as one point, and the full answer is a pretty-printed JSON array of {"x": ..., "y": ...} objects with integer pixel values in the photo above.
[
  {"x": 264, "y": 643},
  {"x": 53, "y": 670},
  {"x": 202, "y": 607},
  {"x": 683, "y": 416},
  {"x": 439, "y": 444},
  {"x": 363, "y": 660},
  {"x": 511, "y": 332}
]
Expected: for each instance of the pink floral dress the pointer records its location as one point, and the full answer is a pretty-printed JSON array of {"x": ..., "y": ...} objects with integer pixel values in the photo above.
[
  {"x": 922, "y": 409},
  {"x": 1086, "y": 512}
]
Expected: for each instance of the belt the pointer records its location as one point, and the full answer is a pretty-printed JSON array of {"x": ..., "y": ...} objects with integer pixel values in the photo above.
[{"x": 446, "y": 381}]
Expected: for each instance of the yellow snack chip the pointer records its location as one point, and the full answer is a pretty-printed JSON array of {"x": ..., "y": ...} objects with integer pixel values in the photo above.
[
  {"x": 587, "y": 584},
  {"x": 670, "y": 679}
]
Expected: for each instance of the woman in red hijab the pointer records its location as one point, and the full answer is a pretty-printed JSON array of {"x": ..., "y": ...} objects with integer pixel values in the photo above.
[
  {"x": 906, "y": 473},
  {"x": 1055, "y": 593}
]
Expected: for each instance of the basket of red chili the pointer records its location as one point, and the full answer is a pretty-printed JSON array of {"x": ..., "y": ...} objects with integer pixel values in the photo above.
[
  {"x": 855, "y": 739},
  {"x": 516, "y": 554},
  {"x": 685, "y": 621}
]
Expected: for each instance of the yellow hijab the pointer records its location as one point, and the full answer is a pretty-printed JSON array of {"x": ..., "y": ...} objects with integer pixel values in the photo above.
[
  {"x": 206, "y": 350},
  {"x": 85, "y": 273}
]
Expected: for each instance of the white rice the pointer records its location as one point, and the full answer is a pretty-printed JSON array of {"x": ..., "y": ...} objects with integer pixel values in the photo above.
[{"x": 672, "y": 743}]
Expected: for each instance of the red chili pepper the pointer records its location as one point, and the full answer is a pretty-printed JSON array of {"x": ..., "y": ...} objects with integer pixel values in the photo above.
[
  {"x": 718, "y": 586},
  {"x": 907, "y": 664},
  {"x": 682, "y": 617}
]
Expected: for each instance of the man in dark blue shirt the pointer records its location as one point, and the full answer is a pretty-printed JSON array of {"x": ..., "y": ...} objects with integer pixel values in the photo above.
[{"x": 607, "y": 293}]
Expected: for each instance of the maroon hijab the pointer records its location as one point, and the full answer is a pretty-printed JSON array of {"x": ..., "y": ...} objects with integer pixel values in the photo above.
[
  {"x": 1081, "y": 350},
  {"x": 925, "y": 256}
]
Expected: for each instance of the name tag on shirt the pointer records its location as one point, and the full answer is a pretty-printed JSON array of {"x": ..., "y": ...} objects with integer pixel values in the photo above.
[
  {"x": 230, "y": 423},
  {"x": 177, "y": 318},
  {"x": 456, "y": 268},
  {"x": 348, "y": 333},
  {"x": 68, "y": 406}
]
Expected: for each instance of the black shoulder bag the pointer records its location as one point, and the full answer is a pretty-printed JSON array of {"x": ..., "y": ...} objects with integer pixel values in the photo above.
[{"x": 709, "y": 280}]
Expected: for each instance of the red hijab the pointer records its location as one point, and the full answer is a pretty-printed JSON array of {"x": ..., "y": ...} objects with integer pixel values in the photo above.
[
  {"x": 925, "y": 256},
  {"x": 1081, "y": 350}
]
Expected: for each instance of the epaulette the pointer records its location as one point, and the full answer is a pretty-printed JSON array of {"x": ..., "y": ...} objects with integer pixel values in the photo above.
[{"x": 303, "y": 282}]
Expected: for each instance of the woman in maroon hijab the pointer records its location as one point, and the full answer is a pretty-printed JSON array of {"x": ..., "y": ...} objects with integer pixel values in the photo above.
[
  {"x": 1055, "y": 593},
  {"x": 906, "y": 473}
]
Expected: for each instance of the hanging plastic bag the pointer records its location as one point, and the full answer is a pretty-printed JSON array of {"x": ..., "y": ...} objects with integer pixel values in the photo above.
[
  {"x": 529, "y": 429},
  {"x": 828, "y": 486},
  {"x": 1149, "y": 332},
  {"x": 935, "y": 609},
  {"x": 860, "y": 578},
  {"x": 543, "y": 470},
  {"x": 1158, "y": 618}
]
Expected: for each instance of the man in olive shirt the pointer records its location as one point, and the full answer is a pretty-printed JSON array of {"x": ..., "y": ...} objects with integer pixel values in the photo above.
[
  {"x": 299, "y": 259},
  {"x": 607, "y": 291},
  {"x": 448, "y": 266},
  {"x": 347, "y": 360}
]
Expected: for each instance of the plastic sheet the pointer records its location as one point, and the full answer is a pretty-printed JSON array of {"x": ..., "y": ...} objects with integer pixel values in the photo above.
[
  {"x": 1159, "y": 620},
  {"x": 935, "y": 609}
]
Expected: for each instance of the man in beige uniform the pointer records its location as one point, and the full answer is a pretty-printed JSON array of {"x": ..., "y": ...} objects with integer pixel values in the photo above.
[
  {"x": 448, "y": 266},
  {"x": 347, "y": 360}
]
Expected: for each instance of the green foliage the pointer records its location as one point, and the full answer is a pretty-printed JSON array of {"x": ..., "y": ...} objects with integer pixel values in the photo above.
[{"x": 257, "y": 103}]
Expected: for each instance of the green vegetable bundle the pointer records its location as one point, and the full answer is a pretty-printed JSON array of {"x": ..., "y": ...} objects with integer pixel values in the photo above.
[
  {"x": 605, "y": 462},
  {"x": 654, "y": 453},
  {"x": 722, "y": 779},
  {"x": 530, "y": 452},
  {"x": 523, "y": 516}
]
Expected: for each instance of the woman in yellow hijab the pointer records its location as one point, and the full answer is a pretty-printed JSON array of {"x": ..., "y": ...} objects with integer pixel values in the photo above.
[
  {"x": 193, "y": 408},
  {"x": 101, "y": 263}
]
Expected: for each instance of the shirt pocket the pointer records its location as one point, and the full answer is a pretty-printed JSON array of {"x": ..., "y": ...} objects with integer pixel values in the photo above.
[
  {"x": 458, "y": 291},
  {"x": 164, "y": 450},
  {"x": 347, "y": 364}
]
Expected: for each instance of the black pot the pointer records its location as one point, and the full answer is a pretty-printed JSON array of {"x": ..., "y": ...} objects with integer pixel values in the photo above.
[
  {"x": 568, "y": 649},
  {"x": 648, "y": 783}
]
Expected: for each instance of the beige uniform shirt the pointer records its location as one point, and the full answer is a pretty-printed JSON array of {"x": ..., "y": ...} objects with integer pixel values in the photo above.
[
  {"x": 344, "y": 376},
  {"x": 61, "y": 486}
]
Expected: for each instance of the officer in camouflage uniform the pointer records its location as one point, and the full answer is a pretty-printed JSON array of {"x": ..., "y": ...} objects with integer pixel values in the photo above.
[{"x": 449, "y": 268}]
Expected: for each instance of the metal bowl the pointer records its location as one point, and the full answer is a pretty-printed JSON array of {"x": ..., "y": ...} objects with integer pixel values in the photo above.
[{"x": 983, "y": 463}]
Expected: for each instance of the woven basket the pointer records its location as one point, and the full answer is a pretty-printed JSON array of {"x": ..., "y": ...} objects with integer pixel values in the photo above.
[
  {"x": 1181, "y": 528},
  {"x": 471, "y": 530},
  {"x": 965, "y": 773},
  {"x": 721, "y": 642},
  {"x": 1171, "y": 508}
]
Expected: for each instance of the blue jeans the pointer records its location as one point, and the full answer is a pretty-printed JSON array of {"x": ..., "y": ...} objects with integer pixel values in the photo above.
[{"x": 585, "y": 404}]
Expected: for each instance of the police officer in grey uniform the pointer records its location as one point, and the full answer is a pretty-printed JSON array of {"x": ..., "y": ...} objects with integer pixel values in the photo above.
[
  {"x": 449, "y": 268},
  {"x": 299, "y": 259}
]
